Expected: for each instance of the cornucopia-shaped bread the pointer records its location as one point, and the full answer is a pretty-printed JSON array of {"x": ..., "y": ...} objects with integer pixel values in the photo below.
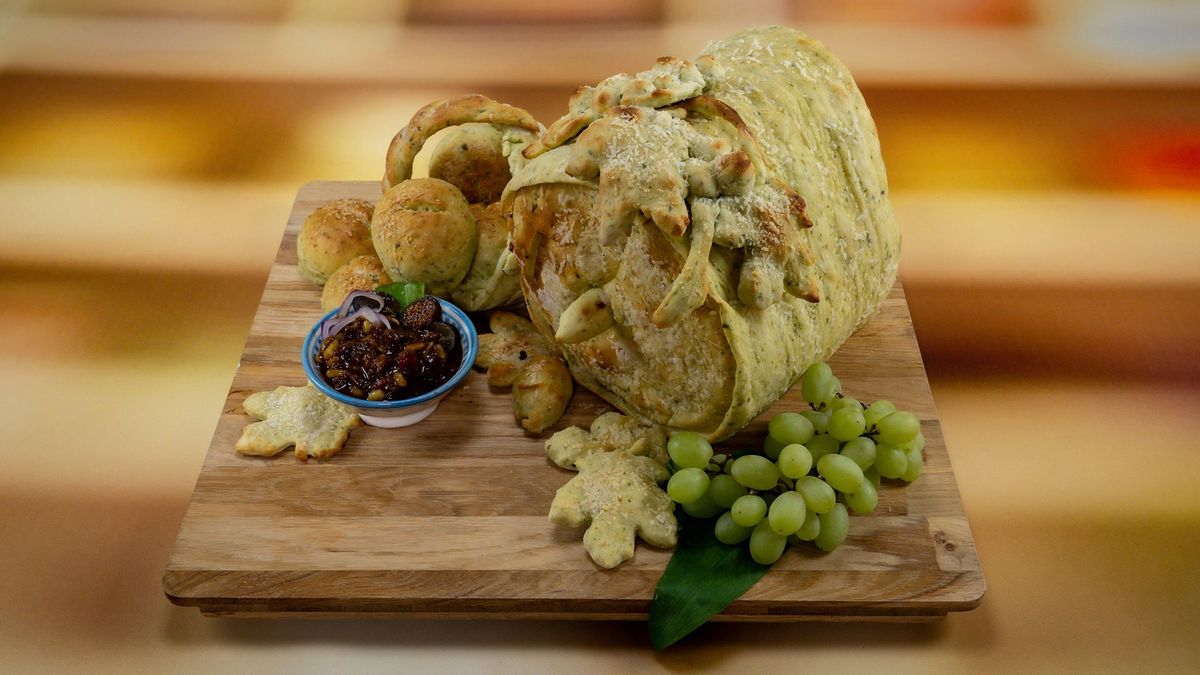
[{"x": 696, "y": 235}]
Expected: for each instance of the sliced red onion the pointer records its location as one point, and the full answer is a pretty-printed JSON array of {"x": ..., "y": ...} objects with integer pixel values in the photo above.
[
  {"x": 334, "y": 325},
  {"x": 375, "y": 316},
  {"x": 370, "y": 296}
]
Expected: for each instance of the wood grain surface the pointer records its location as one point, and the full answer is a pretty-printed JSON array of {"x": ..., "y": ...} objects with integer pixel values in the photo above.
[{"x": 449, "y": 518}]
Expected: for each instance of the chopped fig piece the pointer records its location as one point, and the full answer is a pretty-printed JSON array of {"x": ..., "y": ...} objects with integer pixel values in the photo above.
[{"x": 422, "y": 312}]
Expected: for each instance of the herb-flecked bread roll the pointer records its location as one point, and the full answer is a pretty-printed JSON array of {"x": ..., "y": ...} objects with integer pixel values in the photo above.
[
  {"x": 423, "y": 231},
  {"x": 364, "y": 273},
  {"x": 487, "y": 283},
  {"x": 709, "y": 228},
  {"x": 332, "y": 235},
  {"x": 471, "y": 158}
]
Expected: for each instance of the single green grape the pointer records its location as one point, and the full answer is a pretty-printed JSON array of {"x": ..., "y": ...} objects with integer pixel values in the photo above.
[
  {"x": 865, "y": 500},
  {"x": 890, "y": 461},
  {"x": 872, "y": 476},
  {"x": 915, "y": 466},
  {"x": 844, "y": 402},
  {"x": 846, "y": 423},
  {"x": 790, "y": 427},
  {"x": 841, "y": 473},
  {"x": 755, "y": 472},
  {"x": 795, "y": 461},
  {"x": 724, "y": 490},
  {"x": 917, "y": 442},
  {"x": 689, "y": 449},
  {"x": 772, "y": 447},
  {"x": 818, "y": 386},
  {"x": 729, "y": 532},
  {"x": 687, "y": 485},
  {"x": 818, "y": 495},
  {"x": 898, "y": 427},
  {"x": 787, "y": 513},
  {"x": 811, "y": 527},
  {"x": 748, "y": 510},
  {"x": 702, "y": 507},
  {"x": 835, "y": 525},
  {"x": 766, "y": 545},
  {"x": 821, "y": 445},
  {"x": 861, "y": 450},
  {"x": 877, "y": 411},
  {"x": 819, "y": 419}
]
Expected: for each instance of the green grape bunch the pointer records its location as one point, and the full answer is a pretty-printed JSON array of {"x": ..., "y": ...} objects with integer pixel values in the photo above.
[{"x": 814, "y": 469}]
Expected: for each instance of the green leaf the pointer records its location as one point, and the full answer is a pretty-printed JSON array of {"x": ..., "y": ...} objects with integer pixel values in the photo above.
[
  {"x": 703, "y": 577},
  {"x": 405, "y": 292}
]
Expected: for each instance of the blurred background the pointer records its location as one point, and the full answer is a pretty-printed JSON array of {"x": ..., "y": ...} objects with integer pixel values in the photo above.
[{"x": 1045, "y": 164}]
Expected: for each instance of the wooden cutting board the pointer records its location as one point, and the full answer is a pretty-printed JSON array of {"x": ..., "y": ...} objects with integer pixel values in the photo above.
[{"x": 448, "y": 518}]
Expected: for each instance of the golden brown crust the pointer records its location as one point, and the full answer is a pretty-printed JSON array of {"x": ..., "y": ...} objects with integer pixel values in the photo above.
[
  {"x": 423, "y": 231},
  {"x": 364, "y": 273},
  {"x": 675, "y": 376},
  {"x": 333, "y": 234},
  {"x": 471, "y": 158},
  {"x": 447, "y": 113}
]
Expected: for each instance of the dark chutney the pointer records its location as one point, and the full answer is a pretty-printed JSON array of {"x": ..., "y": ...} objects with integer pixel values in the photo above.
[{"x": 416, "y": 355}]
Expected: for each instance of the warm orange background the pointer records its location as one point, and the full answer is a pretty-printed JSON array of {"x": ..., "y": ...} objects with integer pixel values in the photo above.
[{"x": 1045, "y": 160}]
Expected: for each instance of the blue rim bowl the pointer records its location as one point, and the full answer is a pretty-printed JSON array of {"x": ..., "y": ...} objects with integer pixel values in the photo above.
[{"x": 367, "y": 409}]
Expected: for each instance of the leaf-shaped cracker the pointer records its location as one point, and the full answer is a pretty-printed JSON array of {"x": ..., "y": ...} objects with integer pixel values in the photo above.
[
  {"x": 637, "y": 155},
  {"x": 610, "y": 432},
  {"x": 301, "y": 416},
  {"x": 618, "y": 494},
  {"x": 512, "y": 342},
  {"x": 670, "y": 80}
]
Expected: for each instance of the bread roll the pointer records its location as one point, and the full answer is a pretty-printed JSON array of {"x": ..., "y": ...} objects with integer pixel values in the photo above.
[
  {"x": 332, "y": 235},
  {"x": 487, "y": 285},
  {"x": 470, "y": 158},
  {"x": 364, "y": 273},
  {"x": 423, "y": 231}
]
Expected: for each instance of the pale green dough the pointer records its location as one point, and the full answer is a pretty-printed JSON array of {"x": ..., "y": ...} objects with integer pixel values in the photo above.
[{"x": 725, "y": 362}]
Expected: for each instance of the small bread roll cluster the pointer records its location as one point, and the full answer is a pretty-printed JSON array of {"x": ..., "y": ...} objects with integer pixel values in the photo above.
[
  {"x": 446, "y": 231},
  {"x": 450, "y": 232}
]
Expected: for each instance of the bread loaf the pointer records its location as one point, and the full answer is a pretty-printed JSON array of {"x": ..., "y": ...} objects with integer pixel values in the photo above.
[{"x": 730, "y": 214}]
